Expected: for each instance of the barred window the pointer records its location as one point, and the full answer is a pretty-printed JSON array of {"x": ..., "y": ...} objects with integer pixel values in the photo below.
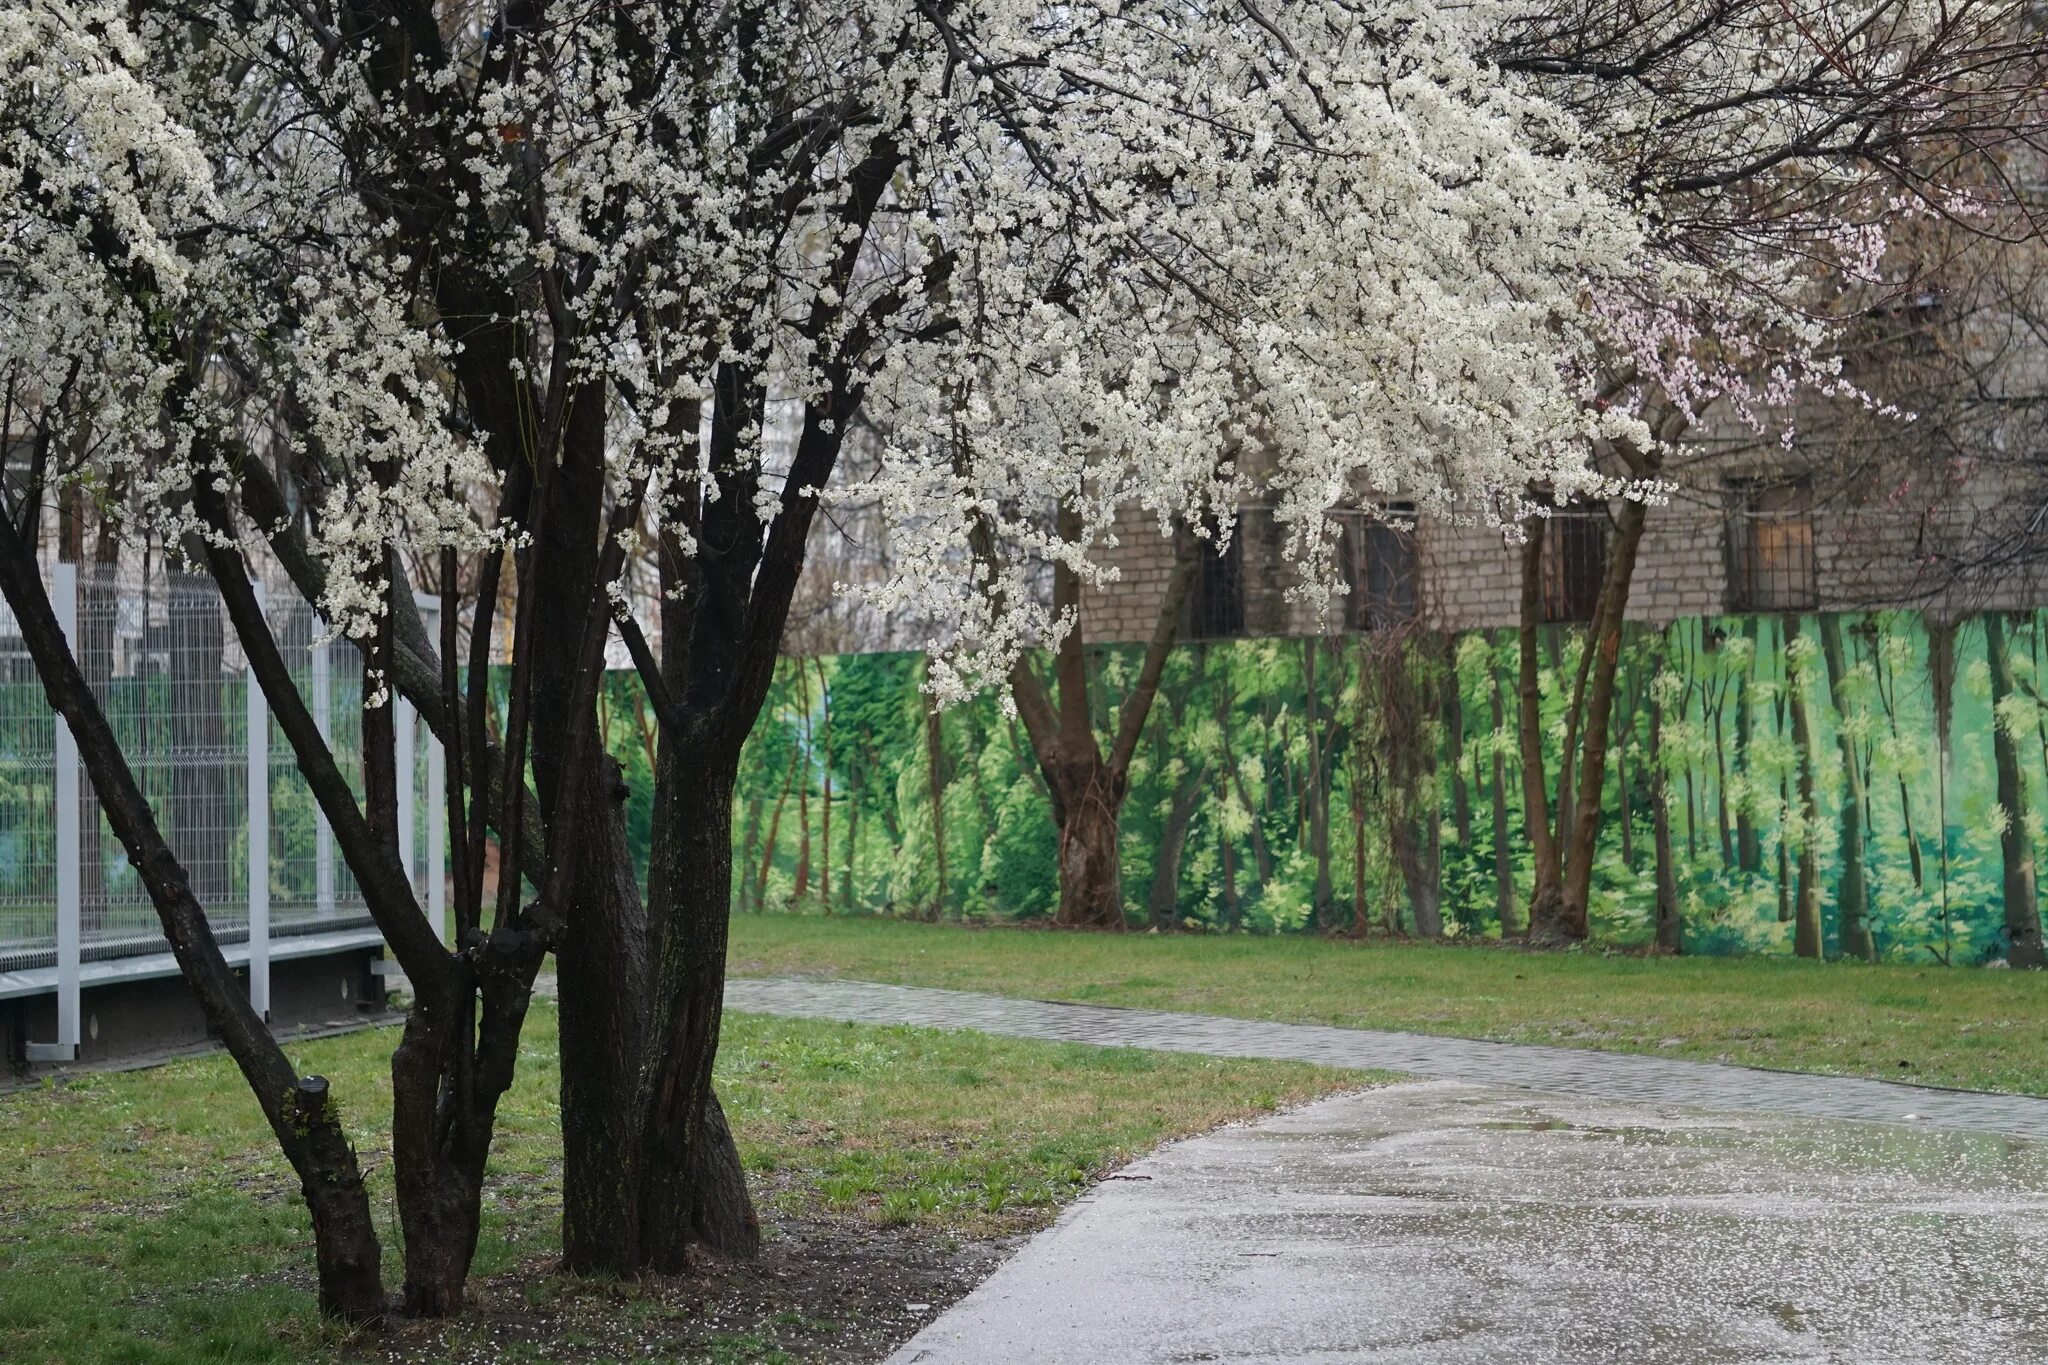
[
  {"x": 1770, "y": 546},
  {"x": 1380, "y": 568},
  {"x": 1574, "y": 561},
  {"x": 1214, "y": 609}
]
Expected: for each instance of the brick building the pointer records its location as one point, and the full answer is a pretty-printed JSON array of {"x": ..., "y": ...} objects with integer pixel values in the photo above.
[{"x": 1760, "y": 542}]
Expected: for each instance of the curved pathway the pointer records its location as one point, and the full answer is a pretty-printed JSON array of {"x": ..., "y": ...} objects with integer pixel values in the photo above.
[
  {"x": 1568, "y": 1071},
  {"x": 1439, "y": 1224}
]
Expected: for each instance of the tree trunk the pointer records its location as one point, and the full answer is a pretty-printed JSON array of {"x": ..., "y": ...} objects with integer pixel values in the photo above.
[
  {"x": 935, "y": 773},
  {"x": 1233, "y": 909},
  {"x": 775, "y": 833},
  {"x": 1887, "y": 687},
  {"x": 1262, "y": 853},
  {"x": 1361, "y": 917},
  {"x": 438, "y": 1193},
  {"x": 800, "y": 886},
  {"x": 1806, "y": 926},
  {"x": 1454, "y": 727},
  {"x": 1163, "y": 905},
  {"x": 1749, "y": 849},
  {"x": 1503, "y": 859},
  {"x": 1091, "y": 880},
  {"x": 1670, "y": 926},
  {"x": 750, "y": 848},
  {"x": 846, "y": 884},
  {"x": 691, "y": 1187},
  {"x": 1416, "y": 853},
  {"x": 1721, "y": 814},
  {"x": 1087, "y": 791},
  {"x": 1546, "y": 895},
  {"x": 1571, "y": 922},
  {"x": 1624, "y": 796},
  {"x": 1316, "y": 791},
  {"x": 601, "y": 961},
  {"x": 1852, "y": 898},
  {"x": 300, "y": 1109},
  {"x": 2022, "y": 911},
  {"x": 825, "y": 822}
]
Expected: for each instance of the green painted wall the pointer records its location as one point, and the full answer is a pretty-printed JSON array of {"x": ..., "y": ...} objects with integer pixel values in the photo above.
[{"x": 1408, "y": 733}]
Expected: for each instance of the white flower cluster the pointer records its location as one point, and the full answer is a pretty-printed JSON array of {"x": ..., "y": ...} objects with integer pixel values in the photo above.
[{"x": 1079, "y": 255}]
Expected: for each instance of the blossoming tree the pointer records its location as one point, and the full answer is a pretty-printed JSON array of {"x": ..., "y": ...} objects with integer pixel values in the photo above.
[{"x": 361, "y": 287}]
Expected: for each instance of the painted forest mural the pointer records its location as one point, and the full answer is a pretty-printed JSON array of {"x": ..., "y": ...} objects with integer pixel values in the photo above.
[{"x": 1866, "y": 784}]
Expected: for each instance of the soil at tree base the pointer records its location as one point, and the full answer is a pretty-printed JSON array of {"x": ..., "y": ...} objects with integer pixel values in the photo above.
[{"x": 834, "y": 1290}]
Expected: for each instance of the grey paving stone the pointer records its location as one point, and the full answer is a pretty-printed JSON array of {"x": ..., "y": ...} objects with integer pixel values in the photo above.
[{"x": 1567, "y": 1071}]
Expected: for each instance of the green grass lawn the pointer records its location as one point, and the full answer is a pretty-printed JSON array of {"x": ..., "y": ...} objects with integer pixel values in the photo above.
[
  {"x": 146, "y": 1216},
  {"x": 1942, "y": 1026}
]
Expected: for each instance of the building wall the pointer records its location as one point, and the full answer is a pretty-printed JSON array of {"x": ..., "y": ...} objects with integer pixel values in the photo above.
[{"x": 1866, "y": 555}]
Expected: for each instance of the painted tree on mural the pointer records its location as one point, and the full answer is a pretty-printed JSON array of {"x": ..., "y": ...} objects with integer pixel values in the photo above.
[
  {"x": 1793, "y": 176},
  {"x": 512, "y": 293}
]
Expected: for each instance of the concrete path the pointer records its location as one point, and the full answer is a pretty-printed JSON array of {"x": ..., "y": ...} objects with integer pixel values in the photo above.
[
  {"x": 1443, "y": 1224},
  {"x": 1570, "y": 1071}
]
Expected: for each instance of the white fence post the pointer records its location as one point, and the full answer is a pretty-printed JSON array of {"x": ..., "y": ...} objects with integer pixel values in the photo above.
[
  {"x": 437, "y": 802},
  {"x": 408, "y": 839},
  {"x": 437, "y": 839},
  {"x": 258, "y": 747},
  {"x": 323, "y": 836},
  {"x": 69, "y": 879}
]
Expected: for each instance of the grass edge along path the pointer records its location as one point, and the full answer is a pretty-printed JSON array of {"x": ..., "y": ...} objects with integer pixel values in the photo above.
[
  {"x": 1965, "y": 1028},
  {"x": 146, "y": 1217}
]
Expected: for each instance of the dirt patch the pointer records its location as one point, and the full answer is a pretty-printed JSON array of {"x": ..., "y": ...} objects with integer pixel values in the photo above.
[{"x": 825, "y": 1291}]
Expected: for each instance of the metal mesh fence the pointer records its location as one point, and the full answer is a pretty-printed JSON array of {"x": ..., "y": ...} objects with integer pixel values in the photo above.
[
  {"x": 28, "y": 799},
  {"x": 159, "y": 659},
  {"x": 311, "y": 887},
  {"x": 164, "y": 664}
]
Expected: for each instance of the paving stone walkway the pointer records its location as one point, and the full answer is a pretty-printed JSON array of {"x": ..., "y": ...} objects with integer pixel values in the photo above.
[
  {"x": 1566, "y": 1071},
  {"x": 1434, "y": 1223}
]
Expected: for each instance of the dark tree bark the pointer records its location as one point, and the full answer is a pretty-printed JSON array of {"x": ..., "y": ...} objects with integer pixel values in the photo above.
[
  {"x": 691, "y": 1186},
  {"x": 1887, "y": 693},
  {"x": 1088, "y": 788},
  {"x": 2022, "y": 910},
  {"x": 1406, "y": 693},
  {"x": 603, "y": 955},
  {"x": 1852, "y": 897},
  {"x": 1546, "y": 895},
  {"x": 300, "y": 1110},
  {"x": 1570, "y": 921}
]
